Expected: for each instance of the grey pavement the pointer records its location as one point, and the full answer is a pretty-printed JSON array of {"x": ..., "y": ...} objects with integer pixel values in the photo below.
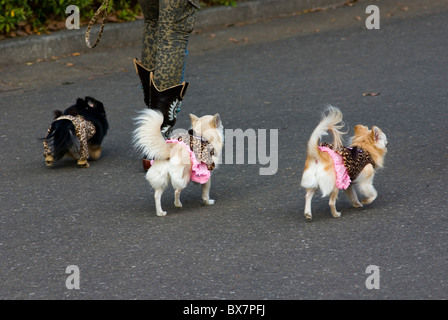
[{"x": 274, "y": 73}]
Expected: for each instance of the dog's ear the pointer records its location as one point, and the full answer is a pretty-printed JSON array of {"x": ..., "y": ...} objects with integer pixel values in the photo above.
[
  {"x": 359, "y": 129},
  {"x": 100, "y": 107},
  {"x": 81, "y": 104},
  {"x": 91, "y": 102},
  {"x": 216, "y": 121},
  {"x": 193, "y": 118},
  {"x": 374, "y": 134},
  {"x": 378, "y": 137}
]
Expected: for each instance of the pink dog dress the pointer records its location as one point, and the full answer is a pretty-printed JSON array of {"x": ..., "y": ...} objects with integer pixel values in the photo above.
[{"x": 348, "y": 163}]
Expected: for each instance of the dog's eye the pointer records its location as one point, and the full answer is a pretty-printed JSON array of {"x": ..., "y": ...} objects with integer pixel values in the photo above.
[{"x": 212, "y": 152}]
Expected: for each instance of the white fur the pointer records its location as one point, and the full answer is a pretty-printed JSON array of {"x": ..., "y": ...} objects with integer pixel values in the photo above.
[
  {"x": 147, "y": 138},
  {"x": 172, "y": 161}
]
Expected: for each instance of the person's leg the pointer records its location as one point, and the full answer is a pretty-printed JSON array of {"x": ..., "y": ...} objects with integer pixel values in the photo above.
[
  {"x": 150, "y": 9},
  {"x": 168, "y": 25},
  {"x": 176, "y": 22},
  {"x": 167, "y": 88}
]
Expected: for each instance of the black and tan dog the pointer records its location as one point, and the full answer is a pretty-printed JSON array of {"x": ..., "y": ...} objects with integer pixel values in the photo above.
[{"x": 77, "y": 133}]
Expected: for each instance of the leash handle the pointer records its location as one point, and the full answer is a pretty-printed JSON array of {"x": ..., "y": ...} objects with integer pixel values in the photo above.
[{"x": 104, "y": 7}]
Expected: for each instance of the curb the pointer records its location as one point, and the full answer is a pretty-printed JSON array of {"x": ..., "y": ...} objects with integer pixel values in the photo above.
[{"x": 60, "y": 43}]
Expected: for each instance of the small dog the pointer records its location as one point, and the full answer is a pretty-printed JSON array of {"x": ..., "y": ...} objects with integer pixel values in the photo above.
[
  {"x": 77, "y": 133},
  {"x": 183, "y": 157},
  {"x": 330, "y": 167}
]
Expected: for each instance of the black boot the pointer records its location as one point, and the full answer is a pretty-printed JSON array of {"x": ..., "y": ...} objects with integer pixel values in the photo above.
[
  {"x": 168, "y": 102},
  {"x": 143, "y": 73}
]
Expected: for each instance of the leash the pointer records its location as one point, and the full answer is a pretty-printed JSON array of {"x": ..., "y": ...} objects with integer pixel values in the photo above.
[{"x": 104, "y": 7}]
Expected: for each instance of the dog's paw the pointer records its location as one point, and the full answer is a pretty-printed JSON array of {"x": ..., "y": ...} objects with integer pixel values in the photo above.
[
  {"x": 178, "y": 204},
  {"x": 308, "y": 216},
  {"x": 209, "y": 202},
  {"x": 95, "y": 152},
  {"x": 357, "y": 204},
  {"x": 336, "y": 214},
  {"x": 161, "y": 213},
  {"x": 368, "y": 200},
  {"x": 83, "y": 164},
  {"x": 49, "y": 161}
]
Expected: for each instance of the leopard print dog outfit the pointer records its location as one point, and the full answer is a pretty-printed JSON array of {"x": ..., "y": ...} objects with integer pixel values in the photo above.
[
  {"x": 355, "y": 159},
  {"x": 84, "y": 131},
  {"x": 201, "y": 148}
]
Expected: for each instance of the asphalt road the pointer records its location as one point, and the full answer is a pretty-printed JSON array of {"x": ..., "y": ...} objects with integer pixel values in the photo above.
[{"x": 254, "y": 243}]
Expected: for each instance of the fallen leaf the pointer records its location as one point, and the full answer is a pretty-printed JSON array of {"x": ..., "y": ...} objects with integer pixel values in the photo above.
[
  {"x": 233, "y": 40},
  {"x": 69, "y": 64},
  {"x": 76, "y": 54},
  {"x": 370, "y": 94}
]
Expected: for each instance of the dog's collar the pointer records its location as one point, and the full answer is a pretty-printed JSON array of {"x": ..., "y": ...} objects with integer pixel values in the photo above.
[{"x": 196, "y": 136}]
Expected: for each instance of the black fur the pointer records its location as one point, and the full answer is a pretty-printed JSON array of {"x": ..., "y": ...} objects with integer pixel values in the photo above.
[{"x": 62, "y": 136}]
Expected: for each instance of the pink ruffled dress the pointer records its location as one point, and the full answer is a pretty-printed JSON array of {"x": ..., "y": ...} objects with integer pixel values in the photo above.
[
  {"x": 342, "y": 178},
  {"x": 200, "y": 172}
]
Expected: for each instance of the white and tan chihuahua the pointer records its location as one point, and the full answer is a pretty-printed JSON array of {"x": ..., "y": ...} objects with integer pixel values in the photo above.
[
  {"x": 175, "y": 162},
  {"x": 330, "y": 167}
]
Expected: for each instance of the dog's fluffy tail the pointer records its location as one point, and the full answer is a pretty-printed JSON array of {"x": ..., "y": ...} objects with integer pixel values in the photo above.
[
  {"x": 331, "y": 121},
  {"x": 147, "y": 137},
  {"x": 62, "y": 139}
]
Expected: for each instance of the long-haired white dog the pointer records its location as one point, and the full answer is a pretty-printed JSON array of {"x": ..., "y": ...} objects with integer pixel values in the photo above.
[
  {"x": 330, "y": 167},
  {"x": 173, "y": 162}
]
